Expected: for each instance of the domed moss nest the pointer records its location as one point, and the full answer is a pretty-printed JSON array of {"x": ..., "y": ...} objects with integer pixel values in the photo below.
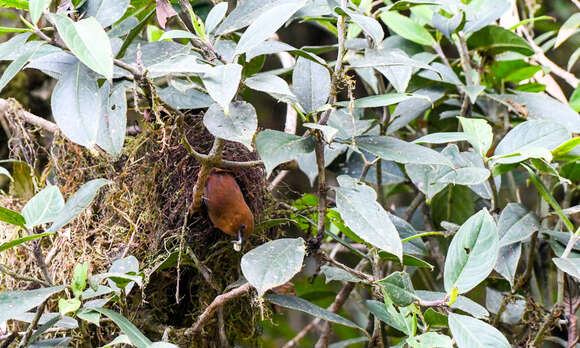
[{"x": 145, "y": 213}]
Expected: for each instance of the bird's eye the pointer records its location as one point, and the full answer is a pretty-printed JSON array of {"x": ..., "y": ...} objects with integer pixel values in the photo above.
[{"x": 243, "y": 227}]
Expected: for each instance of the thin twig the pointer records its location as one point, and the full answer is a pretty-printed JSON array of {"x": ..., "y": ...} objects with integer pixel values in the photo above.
[
  {"x": 28, "y": 333},
  {"x": 217, "y": 302},
  {"x": 361, "y": 275},
  {"x": 5, "y": 106},
  {"x": 37, "y": 251},
  {"x": 22, "y": 277},
  {"x": 413, "y": 206}
]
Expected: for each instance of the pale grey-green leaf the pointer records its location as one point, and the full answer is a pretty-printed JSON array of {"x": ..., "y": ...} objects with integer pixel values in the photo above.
[
  {"x": 568, "y": 265},
  {"x": 400, "y": 151},
  {"x": 469, "y": 332},
  {"x": 43, "y": 207},
  {"x": 273, "y": 85},
  {"x": 188, "y": 99},
  {"x": 273, "y": 263},
  {"x": 222, "y": 83},
  {"x": 275, "y": 147},
  {"x": 113, "y": 118},
  {"x": 516, "y": 224},
  {"x": 472, "y": 253},
  {"x": 215, "y": 16},
  {"x": 14, "y": 303},
  {"x": 462, "y": 303},
  {"x": 36, "y": 8},
  {"x": 107, "y": 12},
  {"x": 357, "y": 205},
  {"x": 239, "y": 125},
  {"x": 335, "y": 273},
  {"x": 77, "y": 203},
  {"x": 311, "y": 83}
]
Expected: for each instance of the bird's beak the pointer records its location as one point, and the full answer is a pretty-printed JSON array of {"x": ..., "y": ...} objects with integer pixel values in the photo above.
[{"x": 238, "y": 243}]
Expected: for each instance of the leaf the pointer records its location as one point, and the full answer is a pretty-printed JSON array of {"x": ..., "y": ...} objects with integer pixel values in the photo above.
[
  {"x": 514, "y": 310},
  {"x": 335, "y": 273},
  {"x": 399, "y": 288},
  {"x": 472, "y": 253},
  {"x": 442, "y": 138},
  {"x": 273, "y": 85},
  {"x": 430, "y": 340},
  {"x": 80, "y": 276},
  {"x": 163, "y": 345},
  {"x": 77, "y": 203},
  {"x": 88, "y": 41},
  {"x": 479, "y": 134},
  {"x": 374, "y": 101},
  {"x": 507, "y": 261},
  {"x": 540, "y": 106},
  {"x": 15, "y": 242},
  {"x": 43, "y": 207},
  {"x": 407, "y": 28},
  {"x": 239, "y": 125},
  {"x": 276, "y": 147},
  {"x": 519, "y": 144},
  {"x": 118, "y": 340},
  {"x": 349, "y": 342},
  {"x": 215, "y": 16},
  {"x": 469, "y": 332},
  {"x": 516, "y": 224},
  {"x": 494, "y": 40},
  {"x": 273, "y": 263},
  {"x": 177, "y": 34},
  {"x": 36, "y": 8},
  {"x": 112, "y": 119},
  {"x": 356, "y": 203},
  {"x": 127, "y": 266},
  {"x": 368, "y": 24},
  {"x": 222, "y": 83},
  {"x": 408, "y": 110},
  {"x": 107, "y": 12},
  {"x": 567, "y": 29},
  {"x": 4, "y": 171},
  {"x": 266, "y": 25},
  {"x": 328, "y": 132},
  {"x": 136, "y": 337},
  {"x": 189, "y": 99},
  {"x": 566, "y": 147},
  {"x": 481, "y": 13},
  {"x": 15, "y": 66},
  {"x": 245, "y": 13},
  {"x": 400, "y": 151},
  {"x": 453, "y": 204},
  {"x": 74, "y": 101},
  {"x": 164, "y": 11},
  {"x": 445, "y": 25},
  {"x": 13, "y": 303},
  {"x": 386, "y": 312},
  {"x": 311, "y": 83},
  {"x": 68, "y": 306},
  {"x": 296, "y": 303},
  {"x": 12, "y": 217},
  {"x": 568, "y": 265}
]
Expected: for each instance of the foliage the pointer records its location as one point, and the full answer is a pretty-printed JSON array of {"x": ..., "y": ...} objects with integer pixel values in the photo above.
[{"x": 444, "y": 153}]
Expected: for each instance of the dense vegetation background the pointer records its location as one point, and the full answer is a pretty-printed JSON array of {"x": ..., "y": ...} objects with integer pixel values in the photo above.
[{"x": 411, "y": 166}]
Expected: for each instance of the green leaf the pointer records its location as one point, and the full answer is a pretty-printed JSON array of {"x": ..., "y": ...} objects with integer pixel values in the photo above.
[
  {"x": 374, "y": 101},
  {"x": 407, "y": 28},
  {"x": 266, "y": 25},
  {"x": 273, "y": 263},
  {"x": 335, "y": 273},
  {"x": 80, "y": 276},
  {"x": 15, "y": 242},
  {"x": 88, "y": 41},
  {"x": 442, "y": 138},
  {"x": 127, "y": 267},
  {"x": 47, "y": 325},
  {"x": 566, "y": 147},
  {"x": 12, "y": 217},
  {"x": 19, "y": 4},
  {"x": 90, "y": 316},
  {"x": 357, "y": 205},
  {"x": 17, "y": 64},
  {"x": 136, "y": 337},
  {"x": 430, "y": 340},
  {"x": 188, "y": 99},
  {"x": 222, "y": 83},
  {"x": 68, "y": 306},
  {"x": 36, "y": 8},
  {"x": 399, "y": 288},
  {"x": 107, "y": 12},
  {"x": 400, "y": 151},
  {"x": 469, "y": 332},
  {"x": 239, "y": 125},
  {"x": 568, "y": 265},
  {"x": 386, "y": 312},
  {"x": 507, "y": 261},
  {"x": 479, "y": 134},
  {"x": 567, "y": 29},
  {"x": 14, "y": 303},
  {"x": 311, "y": 82},
  {"x": 75, "y": 101},
  {"x": 525, "y": 139},
  {"x": 495, "y": 39},
  {"x": 43, "y": 207},
  {"x": 296, "y": 303},
  {"x": 349, "y": 342},
  {"x": 516, "y": 224},
  {"x": 547, "y": 196},
  {"x": 273, "y": 85},
  {"x": 4, "y": 171},
  {"x": 77, "y": 203},
  {"x": 177, "y": 34},
  {"x": 472, "y": 253},
  {"x": 453, "y": 204},
  {"x": 276, "y": 147},
  {"x": 118, "y": 340}
]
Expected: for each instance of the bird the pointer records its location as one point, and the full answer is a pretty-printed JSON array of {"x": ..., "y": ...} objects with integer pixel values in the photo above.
[{"x": 226, "y": 206}]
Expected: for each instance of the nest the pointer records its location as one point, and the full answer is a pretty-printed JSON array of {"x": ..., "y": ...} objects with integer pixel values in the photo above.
[{"x": 145, "y": 214}]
